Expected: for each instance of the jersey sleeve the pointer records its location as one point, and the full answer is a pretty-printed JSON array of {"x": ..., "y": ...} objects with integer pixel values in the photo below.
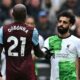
[
  {"x": 41, "y": 41},
  {"x": 35, "y": 37},
  {"x": 1, "y": 35},
  {"x": 3, "y": 66},
  {"x": 46, "y": 43}
]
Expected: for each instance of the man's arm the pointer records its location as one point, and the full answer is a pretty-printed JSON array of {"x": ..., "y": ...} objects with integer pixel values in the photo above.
[
  {"x": 78, "y": 59},
  {"x": 1, "y": 46},
  {"x": 3, "y": 64},
  {"x": 35, "y": 42},
  {"x": 78, "y": 68},
  {"x": 37, "y": 51}
]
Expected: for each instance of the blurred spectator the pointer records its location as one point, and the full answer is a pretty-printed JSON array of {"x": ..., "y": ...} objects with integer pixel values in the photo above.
[
  {"x": 77, "y": 30},
  {"x": 30, "y": 22},
  {"x": 56, "y": 4},
  {"x": 17, "y": 2},
  {"x": 71, "y": 5},
  {"x": 4, "y": 10},
  {"x": 7, "y": 21},
  {"x": 49, "y": 6},
  {"x": 33, "y": 8},
  {"x": 46, "y": 5},
  {"x": 44, "y": 26}
]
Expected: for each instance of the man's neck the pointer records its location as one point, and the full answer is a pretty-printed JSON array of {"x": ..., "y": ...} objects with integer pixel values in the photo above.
[{"x": 64, "y": 35}]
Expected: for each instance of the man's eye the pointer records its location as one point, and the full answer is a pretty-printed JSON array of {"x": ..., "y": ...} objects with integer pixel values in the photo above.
[
  {"x": 60, "y": 21},
  {"x": 65, "y": 22}
]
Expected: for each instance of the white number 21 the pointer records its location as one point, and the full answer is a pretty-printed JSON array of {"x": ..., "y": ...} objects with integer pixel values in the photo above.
[{"x": 16, "y": 42}]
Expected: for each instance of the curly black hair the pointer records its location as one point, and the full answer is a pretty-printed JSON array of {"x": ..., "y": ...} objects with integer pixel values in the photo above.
[{"x": 68, "y": 15}]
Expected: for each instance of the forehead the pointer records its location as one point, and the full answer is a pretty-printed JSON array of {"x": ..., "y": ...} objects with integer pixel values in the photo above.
[
  {"x": 64, "y": 18},
  {"x": 30, "y": 20}
]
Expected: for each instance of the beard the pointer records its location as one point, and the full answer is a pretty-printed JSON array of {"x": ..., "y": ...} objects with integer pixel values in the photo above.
[{"x": 62, "y": 30}]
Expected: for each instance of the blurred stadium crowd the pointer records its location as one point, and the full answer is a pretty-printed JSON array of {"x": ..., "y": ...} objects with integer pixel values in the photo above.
[{"x": 44, "y": 13}]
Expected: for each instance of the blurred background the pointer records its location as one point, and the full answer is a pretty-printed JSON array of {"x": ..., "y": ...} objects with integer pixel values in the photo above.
[{"x": 44, "y": 13}]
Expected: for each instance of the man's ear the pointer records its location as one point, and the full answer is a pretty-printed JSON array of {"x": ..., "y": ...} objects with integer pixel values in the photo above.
[
  {"x": 70, "y": 26},
  {"x": 12, "y": 13}
]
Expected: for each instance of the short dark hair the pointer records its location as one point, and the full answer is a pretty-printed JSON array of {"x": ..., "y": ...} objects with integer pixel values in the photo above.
[
  {"x": 68, "y": 15},
  {"x": 19, "y": 12}
]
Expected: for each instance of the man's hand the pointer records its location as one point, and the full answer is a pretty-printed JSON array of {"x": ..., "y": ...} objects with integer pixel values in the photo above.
[{"x": 48, "y": 53}]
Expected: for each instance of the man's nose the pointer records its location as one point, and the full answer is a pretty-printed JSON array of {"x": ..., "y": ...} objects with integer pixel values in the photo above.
[{"x": 61, "y": 23}]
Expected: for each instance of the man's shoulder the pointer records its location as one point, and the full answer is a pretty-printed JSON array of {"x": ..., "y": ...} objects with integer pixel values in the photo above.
[
  {"x": 19, "y": 24},
  {"x": 52, "y": 38},
  {"x": 8, "y": 24},
  {"x": 75, "y": 39}
]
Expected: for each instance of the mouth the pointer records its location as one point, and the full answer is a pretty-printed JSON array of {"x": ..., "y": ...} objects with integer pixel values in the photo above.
[{"x": 60, "y": 27}]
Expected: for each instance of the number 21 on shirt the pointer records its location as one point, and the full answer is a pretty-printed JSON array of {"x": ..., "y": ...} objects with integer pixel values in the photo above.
[{"x": 16, "y": 42}]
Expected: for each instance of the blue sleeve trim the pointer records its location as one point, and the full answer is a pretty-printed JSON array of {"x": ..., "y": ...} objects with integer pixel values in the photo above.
[
  {"x": 1, "y": 35},
  {"x": 35, "y": 37}
]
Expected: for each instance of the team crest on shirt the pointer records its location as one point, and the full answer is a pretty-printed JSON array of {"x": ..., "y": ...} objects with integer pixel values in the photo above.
[
  {"x": 68, "y": 45},
  {"x": 70, "y": 48}
]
